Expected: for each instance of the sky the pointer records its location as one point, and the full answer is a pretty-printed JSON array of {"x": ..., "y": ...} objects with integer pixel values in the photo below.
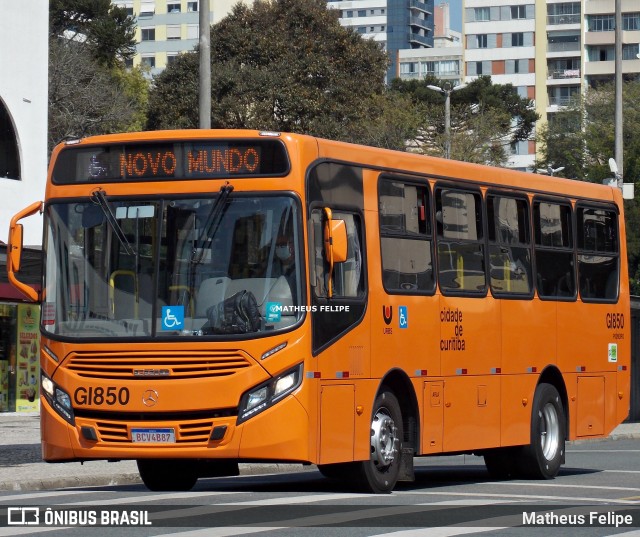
[{"x": 455, "y": 13}]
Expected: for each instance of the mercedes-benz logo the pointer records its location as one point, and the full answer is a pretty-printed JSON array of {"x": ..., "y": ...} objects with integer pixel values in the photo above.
[{"x": 150, "y": 397}]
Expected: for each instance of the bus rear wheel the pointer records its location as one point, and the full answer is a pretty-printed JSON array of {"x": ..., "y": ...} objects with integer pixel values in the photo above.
[
  {"x": 380, "y": 473},
  {"x": 167, "y": 474},
  {"x": 543, "y": 457}
]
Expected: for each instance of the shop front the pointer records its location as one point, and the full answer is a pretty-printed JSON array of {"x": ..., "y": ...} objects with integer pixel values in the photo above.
[{"x": 19, "y": 338}]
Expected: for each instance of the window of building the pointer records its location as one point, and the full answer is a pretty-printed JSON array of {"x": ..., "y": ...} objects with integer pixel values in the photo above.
[
  {"x": 193, "y": 31},
  {"x": 9, "y": 158},
  {"x": 173, "y": 32},
  {"x": 192, "y": 6},
  {"x": 518, "y": 12},
  {"x": 597, "y": 254},
  {"x": 148, "y": 61},
  {"x": 147, "y": 8},
  {"x": 348, "y": 14},
  {"x": 406, "y": 240},
  {"x": 171, "y": 58},
  {"x": 481, "y": 40},
  {"x": 173, "y": 6},
  {"x": 509, "y": 245},
  {"x": 517, "y": 39},
  {"x": 565, "y": 13},
  {"x": 631, "y": 21},
  {"x": 461, "y": 264},
  {"x": 362, "y": 13},
  {"x": 148, "y": 34},
  {"x": 555, "y": 265},
  {"x": 602, "y": 23},
  {"x": 482, "y": 14},
  {"x": 630, "y": 52}
]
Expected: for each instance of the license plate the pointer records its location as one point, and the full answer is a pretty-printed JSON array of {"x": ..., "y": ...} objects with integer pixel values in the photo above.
[{"x": 153, "y": 436}]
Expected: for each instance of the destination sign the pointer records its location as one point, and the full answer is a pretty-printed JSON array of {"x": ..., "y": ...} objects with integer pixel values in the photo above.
[{"x": 200, "y": 159}]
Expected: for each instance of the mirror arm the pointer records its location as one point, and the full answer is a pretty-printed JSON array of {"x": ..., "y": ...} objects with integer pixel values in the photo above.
[{"x": 25, "y": 289}]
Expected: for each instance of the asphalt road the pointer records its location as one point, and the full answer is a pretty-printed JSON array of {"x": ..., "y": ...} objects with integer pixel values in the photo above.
[{"x": 600, "y": 484}]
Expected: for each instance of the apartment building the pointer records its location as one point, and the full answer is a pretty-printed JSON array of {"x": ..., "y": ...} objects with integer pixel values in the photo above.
[
  {"x": 443, "y": 61},
  {"x": 550, "y": 51},
  {"x": 166, "y": 28},
  {"x": 397, "y": 25}
]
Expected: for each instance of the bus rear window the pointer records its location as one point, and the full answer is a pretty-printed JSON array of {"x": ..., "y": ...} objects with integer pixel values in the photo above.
[{"x": 153, "y": 161}]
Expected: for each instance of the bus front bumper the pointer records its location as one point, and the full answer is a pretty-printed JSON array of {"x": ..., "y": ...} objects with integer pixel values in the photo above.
[{"x": 279, "y": 433}]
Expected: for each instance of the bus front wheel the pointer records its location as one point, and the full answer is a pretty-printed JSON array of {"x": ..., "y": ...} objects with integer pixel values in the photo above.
[
  {"x": 543, "y": 457},
  {"x": 380, "y": 473},
  {"x": 167, "y": 474}
]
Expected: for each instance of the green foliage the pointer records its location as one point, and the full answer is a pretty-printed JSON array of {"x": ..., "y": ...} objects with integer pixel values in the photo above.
[
  {"x": 485, "y": 120},
  {"x": 280, "y": 65},
  {"x": 88, "y": 98},
  {"x": 102, "y": 26}
]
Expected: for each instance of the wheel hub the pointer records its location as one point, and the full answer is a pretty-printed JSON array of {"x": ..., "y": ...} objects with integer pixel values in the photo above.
[
  {"x": 384, "y": 439},
  {"x": 549, "y": 431}
]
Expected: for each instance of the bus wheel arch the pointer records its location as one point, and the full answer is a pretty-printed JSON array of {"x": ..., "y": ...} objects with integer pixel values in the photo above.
[
  {"x": 542, "y": 458},
  {"x": 397, "y": 382},
  {"x": 551, "y": 375}
]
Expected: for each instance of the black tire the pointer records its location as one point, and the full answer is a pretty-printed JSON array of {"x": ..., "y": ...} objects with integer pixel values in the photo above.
[
  {"x": 167, "y": 474},
  {"x": 543, "y": 457},
  {"x": 380, "y": 473},
  {"x": 341, "y": 470},
  {"x": 501, "y": 463}
]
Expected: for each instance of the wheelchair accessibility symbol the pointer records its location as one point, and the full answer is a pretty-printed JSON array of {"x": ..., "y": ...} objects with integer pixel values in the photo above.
[
  {"x": 403, "y": 319},
  {"x": 172, "y": 317}
]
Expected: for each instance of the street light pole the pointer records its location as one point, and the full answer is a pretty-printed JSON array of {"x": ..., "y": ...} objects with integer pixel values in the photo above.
[
  {"x": 204, "y": 99},
  {"x": 618, "y": 120},
  {"x": 447, "y": 114}
]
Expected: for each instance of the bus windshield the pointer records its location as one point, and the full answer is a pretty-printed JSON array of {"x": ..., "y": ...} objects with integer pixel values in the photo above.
[{"x": 222, "y": 266}]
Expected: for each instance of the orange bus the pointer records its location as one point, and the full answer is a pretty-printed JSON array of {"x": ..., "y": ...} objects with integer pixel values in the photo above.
[{"x": 216, "y": 297}]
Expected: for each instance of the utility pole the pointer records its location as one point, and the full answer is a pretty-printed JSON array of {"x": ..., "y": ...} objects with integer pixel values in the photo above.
[
  {"x": 619, "y": 147},
  {"x": 447, "y": 113},
  {"x": 204, "y": 99}
]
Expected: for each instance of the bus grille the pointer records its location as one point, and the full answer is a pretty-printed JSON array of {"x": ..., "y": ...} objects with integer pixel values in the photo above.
[
  {"x": 195, "y": 432},
  {"x": 144, "y": 365}
]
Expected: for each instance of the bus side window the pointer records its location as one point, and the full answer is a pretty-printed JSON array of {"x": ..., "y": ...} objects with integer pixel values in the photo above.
[
  {"x": 598, "y": 254},
  {"x": 461, "y": 264},
  {"x": 555, "y": 265},
  {"x": 406, "y": 241},
  {"x": 509, "y": 245}
]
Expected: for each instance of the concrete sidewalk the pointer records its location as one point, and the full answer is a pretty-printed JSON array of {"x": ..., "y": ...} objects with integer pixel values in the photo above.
[{"x": 21, "y": 466}]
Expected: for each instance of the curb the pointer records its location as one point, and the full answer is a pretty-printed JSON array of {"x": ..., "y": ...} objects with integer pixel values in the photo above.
[{"x": 134, "y": 478}]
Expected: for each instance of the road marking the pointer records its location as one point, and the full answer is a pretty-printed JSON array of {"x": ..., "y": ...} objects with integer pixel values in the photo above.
[
  {"x": 441, "y": 532},
  {"x": 36, "y": 495},
  {"x": 603, "y": 451},
  {"x": 522, "y": 496},
  {"x": 561, "y": 485},
  {"x": 149, "y": 497}
]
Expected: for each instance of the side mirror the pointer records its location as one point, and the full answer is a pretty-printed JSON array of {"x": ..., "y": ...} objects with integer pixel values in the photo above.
[
  {"x": 335, "y": 244},
  {"x": 335, "y": 240},
  {"x": 15, "y": 247},
  {"x": 14, "y": 251}
]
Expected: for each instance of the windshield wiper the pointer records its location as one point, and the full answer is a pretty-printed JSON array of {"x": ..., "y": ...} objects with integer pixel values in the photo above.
[
  {"x": 99, "y": 198},
  {"x": 211, "y": 225}
]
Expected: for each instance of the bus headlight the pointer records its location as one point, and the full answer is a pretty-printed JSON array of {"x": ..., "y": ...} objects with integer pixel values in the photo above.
[
  {"x": 57, "y": 398},
  {"x": 267, "y": 394}
]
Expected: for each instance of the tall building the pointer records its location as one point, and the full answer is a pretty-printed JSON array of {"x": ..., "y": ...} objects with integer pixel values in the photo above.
[
  {"x": 396, "y": 24},
  {"x": 443, "y": 61},
  {"x": 550, "y": 51},
  {"x": 166, "y": 28},
  {"x": 23, "y": 112}
]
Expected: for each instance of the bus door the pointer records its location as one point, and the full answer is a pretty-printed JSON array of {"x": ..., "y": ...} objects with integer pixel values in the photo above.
[
  {"x": 339, "y": 316},
  {"x": 405, "y": 327},
  {"x": 470, "y": 333}
]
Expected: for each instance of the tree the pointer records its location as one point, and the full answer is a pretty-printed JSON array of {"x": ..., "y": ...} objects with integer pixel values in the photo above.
[
  {"x": 486, "y": 118},
  {"x": 102, "y": 26},
  {"x": 279, "y": 65},
  {"x": 87, "y": 98}
]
